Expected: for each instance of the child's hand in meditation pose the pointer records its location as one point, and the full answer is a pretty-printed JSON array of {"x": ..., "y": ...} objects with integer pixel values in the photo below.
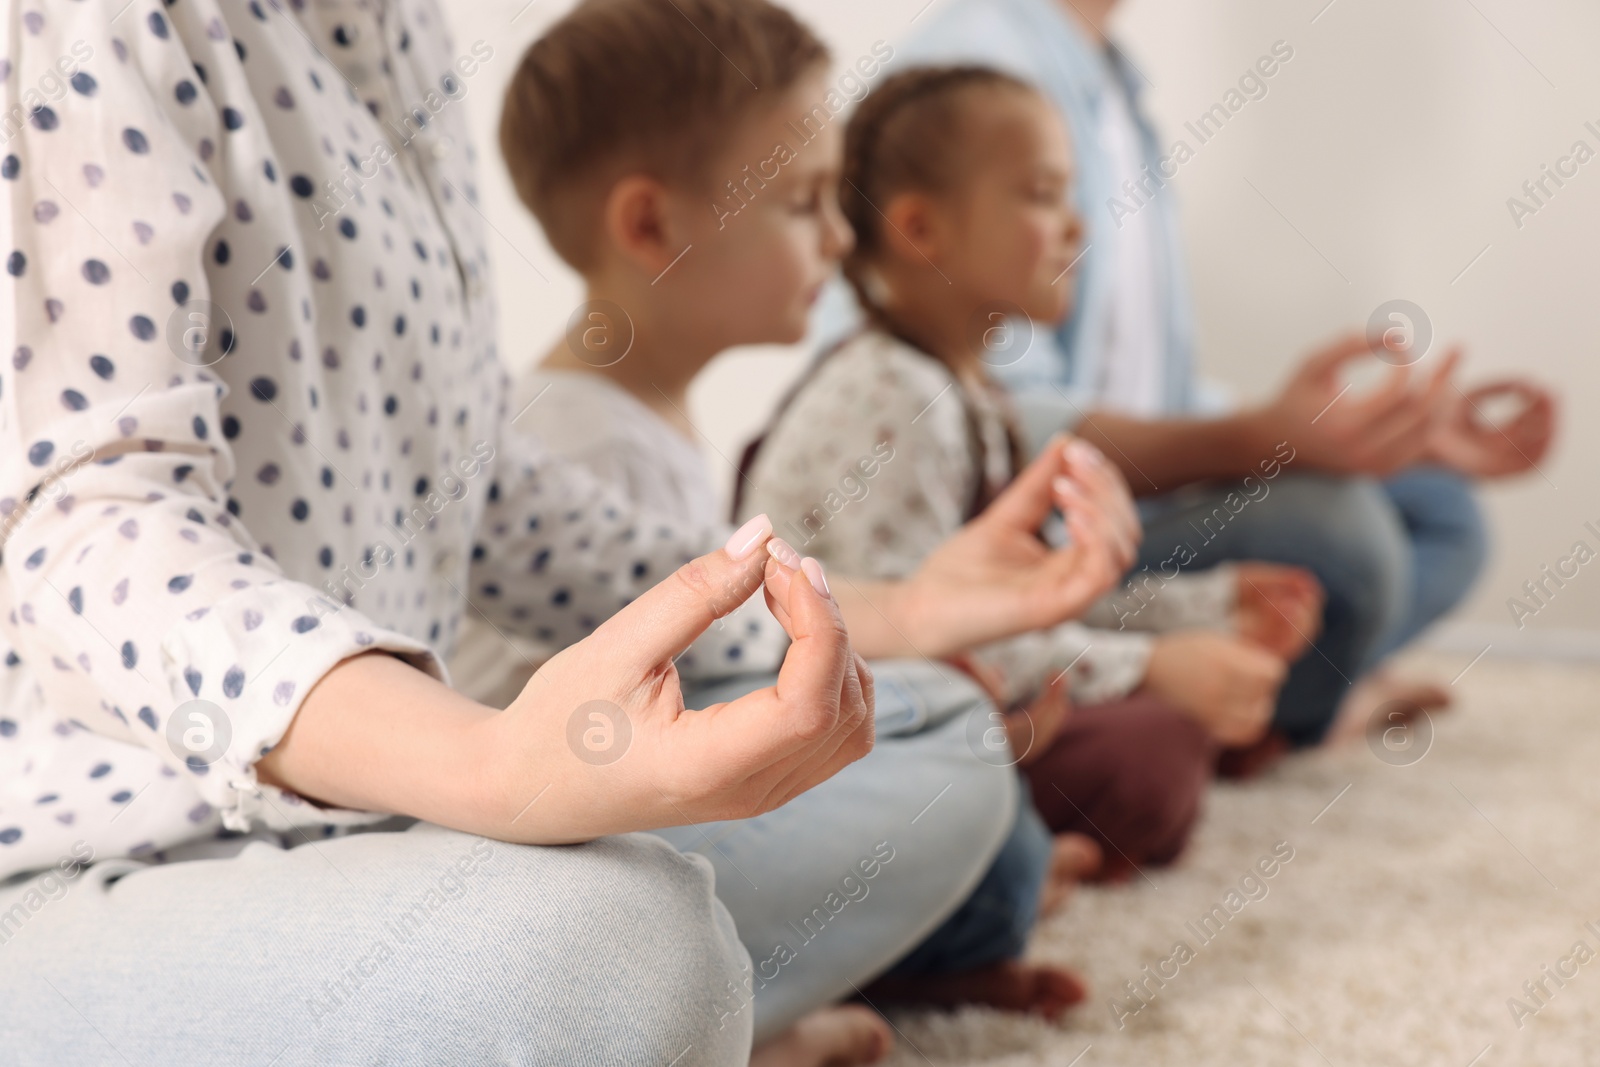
[{"x": 995, "y": 576}]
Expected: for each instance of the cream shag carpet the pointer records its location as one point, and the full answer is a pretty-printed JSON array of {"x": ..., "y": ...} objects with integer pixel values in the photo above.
[{"x": 1419, "y": 900}]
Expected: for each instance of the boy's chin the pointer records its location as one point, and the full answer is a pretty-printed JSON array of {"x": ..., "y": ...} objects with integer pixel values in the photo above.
[
  {"x": 792, "y": 332},
  {"x": 785, "y": 333},
  {"x": 1053, "y": 312}
]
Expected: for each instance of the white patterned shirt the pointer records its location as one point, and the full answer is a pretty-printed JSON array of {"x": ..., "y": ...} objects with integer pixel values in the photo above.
[
  {"x": 874, "y": 463},
  {"x": 251, "y": 406}
]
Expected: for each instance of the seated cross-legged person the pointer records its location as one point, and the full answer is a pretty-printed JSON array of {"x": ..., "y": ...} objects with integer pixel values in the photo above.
[
  {"x": 956, "y": 180},
  {"x": 1378, "y": 500},
  {"x": 233, "y": 573},
  {"x": 616, "y": 142}
]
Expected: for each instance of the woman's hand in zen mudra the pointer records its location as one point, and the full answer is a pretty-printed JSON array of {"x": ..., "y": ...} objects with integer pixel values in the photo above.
[
  {"x": 631, "y": 757},
  {"x": 599, "y": 741}
]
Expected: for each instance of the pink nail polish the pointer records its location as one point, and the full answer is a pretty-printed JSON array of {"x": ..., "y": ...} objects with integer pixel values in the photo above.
[
  {"x": 1083, "y": 452},
  {"x": 813, "y": 571},
  {"x": 780, "y": 550},
  {"x": 747, "y": 537}
]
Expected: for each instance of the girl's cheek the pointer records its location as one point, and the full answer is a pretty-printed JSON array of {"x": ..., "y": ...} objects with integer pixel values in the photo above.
[{"x": 809, "y": 250}]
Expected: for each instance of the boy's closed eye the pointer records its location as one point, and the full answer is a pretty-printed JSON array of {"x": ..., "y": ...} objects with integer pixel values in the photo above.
[
  {"x": 1048, "y": 189},
  {"x": 812, "y": 195}
]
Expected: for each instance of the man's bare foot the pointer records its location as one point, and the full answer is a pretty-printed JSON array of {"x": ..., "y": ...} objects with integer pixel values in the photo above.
[
  {"x": 1073, "y": 858},
  {"x": 839, "y": 1036},
  {"x": 1033, "y": 988},
  {"x": 1382, "y": 690}
]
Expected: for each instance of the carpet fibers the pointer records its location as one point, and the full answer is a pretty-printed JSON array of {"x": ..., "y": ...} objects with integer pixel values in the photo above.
[{"x": 1420, "y": 897}]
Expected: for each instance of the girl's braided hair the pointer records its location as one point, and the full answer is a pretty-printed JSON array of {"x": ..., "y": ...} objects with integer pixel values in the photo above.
[{"x": 904, "y": 135}]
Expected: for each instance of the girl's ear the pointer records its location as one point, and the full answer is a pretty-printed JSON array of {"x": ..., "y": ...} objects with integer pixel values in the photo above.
[
  {"x": 637, "y": 223},
  {"x": 914, "y": 231}
]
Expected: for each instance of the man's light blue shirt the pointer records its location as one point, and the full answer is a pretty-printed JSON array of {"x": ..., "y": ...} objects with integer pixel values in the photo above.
[{"x": 1058, "y": 380}]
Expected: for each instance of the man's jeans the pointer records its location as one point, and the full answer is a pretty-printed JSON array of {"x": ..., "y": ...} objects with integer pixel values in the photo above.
[{"x": 1393, "y": 556}]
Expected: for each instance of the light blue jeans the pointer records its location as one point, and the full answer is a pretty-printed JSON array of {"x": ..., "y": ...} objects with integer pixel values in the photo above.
[
  {"x": 930, "y": 795},
  {"x": 1394, "y": 557},
  {"x": 425, "y": 945},
  {"x": 421, "y": 946}
]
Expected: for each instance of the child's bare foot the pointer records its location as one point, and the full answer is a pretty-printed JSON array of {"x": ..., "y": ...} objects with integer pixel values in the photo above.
[
  {"x": 839, "y": 1036},
  {"x": 1244, "y": 762},
  {"x": 1383, "y": 690},
  {"x": 1279, "y": 608},
  {"x": 1033, "y": 988},
  {"x": 1074, "y": 858}
]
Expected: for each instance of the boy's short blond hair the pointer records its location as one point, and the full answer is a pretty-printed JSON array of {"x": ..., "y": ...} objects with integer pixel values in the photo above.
[{"x": 639, "y": 86}]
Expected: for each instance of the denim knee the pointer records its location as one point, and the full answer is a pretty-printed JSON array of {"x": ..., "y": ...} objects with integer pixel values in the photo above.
[
  {"x": 1444, "y": 506},
  {"x": 993, "y": 924},
  {"x": 645, "y": 948},
  {"x": 1449, "y": 540},
  {"x": 1009, "y": 894},
  {"x": 1348, "y": 531},
  {"x": 1362, "y": 553}
]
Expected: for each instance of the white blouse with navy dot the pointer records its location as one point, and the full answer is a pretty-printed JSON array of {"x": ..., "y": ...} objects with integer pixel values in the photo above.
[{"x": 253, "y": 414}]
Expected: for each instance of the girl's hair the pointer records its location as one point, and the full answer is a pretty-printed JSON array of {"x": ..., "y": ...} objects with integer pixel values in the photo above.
[{"x": 905, "y": 135}]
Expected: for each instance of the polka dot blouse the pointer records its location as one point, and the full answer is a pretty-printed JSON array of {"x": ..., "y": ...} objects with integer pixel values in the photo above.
[{"x": 251, "y": 405}]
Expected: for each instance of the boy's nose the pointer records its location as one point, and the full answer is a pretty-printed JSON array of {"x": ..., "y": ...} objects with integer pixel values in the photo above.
[{"x": 1074, "y": 228}]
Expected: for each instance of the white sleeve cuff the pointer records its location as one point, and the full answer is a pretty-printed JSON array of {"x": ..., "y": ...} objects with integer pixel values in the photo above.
[{"x": 239, "y": 670}]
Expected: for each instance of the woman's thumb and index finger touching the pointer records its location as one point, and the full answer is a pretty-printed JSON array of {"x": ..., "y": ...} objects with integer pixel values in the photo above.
[{"x": 667, "y": 618}]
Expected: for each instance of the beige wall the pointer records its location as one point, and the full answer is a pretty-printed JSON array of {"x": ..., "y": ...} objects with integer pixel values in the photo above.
[{"x": 1390, "y": 142}]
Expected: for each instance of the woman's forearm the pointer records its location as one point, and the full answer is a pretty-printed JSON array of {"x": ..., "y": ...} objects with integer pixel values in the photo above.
[
  {"x": 376, "y": 734},
  {"x": 599, "y": 741}
]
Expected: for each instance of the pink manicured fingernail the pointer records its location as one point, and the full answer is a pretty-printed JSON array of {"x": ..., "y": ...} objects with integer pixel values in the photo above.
[
  {"x": 1083, "y": 452},
  {"x": 813, "y": 570},
  {"x": 780, "y": 550},
  {"x": 747, "y": 537},
  {"x": 1067, "y": 487}
]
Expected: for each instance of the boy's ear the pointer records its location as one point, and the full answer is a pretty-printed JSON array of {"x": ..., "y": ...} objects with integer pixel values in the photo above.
[
  {"x": 637, "y": 222},
  {"x": 914, "y": 231}
]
